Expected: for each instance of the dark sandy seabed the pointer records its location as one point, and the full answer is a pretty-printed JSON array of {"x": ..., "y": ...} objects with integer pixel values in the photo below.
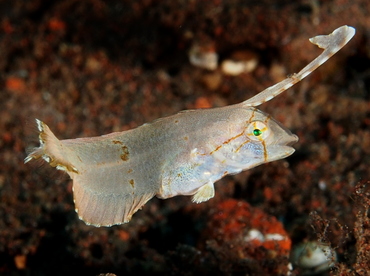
[{"x": 88, "y": 68}]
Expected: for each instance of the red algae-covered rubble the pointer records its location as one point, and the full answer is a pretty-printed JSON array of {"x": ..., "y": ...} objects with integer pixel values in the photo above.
[{"x": 248, "y": 233}]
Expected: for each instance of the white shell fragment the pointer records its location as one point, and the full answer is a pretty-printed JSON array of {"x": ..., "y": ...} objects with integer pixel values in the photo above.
[
  {"x": 114, "y": 175},
  {"x": 240, "y": 62},
  {"x": 313, "y": 257},
  {"x": 234, "y": 68},
  {"x": 203, "y": 57},
  {"x": 255, "y": 234}
]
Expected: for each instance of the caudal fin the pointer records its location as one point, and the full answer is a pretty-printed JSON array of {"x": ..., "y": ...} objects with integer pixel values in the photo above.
[
  {"x": 50, "y": 149},
  {"x": 104, "y": 192}
]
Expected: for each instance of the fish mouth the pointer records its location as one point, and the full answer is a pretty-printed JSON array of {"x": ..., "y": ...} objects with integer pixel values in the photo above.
[{"x": 288, "y": 140}]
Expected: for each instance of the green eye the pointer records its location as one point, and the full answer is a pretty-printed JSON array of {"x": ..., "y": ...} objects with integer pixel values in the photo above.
[{"x": 257, "y": 132}]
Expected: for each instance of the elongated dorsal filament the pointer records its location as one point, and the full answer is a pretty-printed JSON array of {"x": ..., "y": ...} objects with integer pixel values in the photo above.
[{"x": 331, "y": 44}]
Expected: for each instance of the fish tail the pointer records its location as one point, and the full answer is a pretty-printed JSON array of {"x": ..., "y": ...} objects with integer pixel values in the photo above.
[{"x": 51, "y": 149}]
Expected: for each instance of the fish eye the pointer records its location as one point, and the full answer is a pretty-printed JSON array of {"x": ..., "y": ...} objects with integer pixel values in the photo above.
[{"x": 257, "y": 131}]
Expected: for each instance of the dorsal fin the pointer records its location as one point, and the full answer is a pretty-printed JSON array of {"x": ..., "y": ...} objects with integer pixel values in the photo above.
[{"x": 331, "y": 44}]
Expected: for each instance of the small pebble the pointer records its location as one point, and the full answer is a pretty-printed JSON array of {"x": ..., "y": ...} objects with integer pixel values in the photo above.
[{"x": 313, "y": 257}]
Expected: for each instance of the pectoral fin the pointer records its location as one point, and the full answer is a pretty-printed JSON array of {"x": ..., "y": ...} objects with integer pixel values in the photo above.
[{"x": 204, "y": 193}]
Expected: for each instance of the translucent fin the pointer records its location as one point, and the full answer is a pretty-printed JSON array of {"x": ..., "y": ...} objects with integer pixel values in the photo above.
[
  {"x": 204, "y": 193},
  {"x": 331, "y": 44},
  {"x": 100, "y": 209},
  {"x": 104, "y": 194},
  {"x": 51, "y": 150}
]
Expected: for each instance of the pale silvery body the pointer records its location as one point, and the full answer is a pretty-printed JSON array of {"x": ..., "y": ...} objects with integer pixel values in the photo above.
[{"x": 116, "y": 174}]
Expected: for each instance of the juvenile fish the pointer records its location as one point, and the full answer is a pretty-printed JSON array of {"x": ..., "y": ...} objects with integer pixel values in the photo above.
[{"x": 114, "y": 175}]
